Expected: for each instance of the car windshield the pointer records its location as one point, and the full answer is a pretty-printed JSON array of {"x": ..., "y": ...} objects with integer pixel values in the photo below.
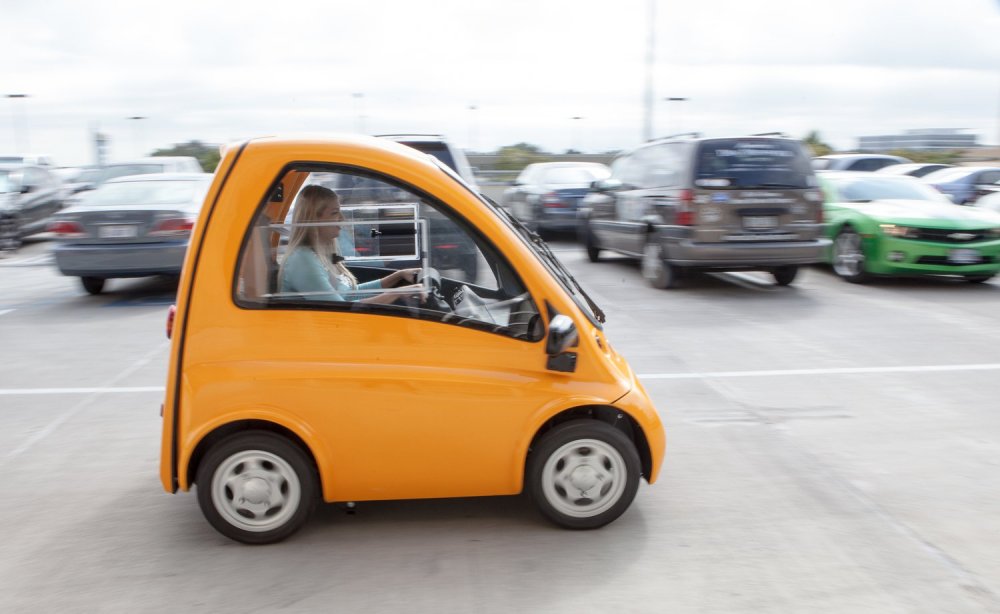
[
  {"x": 6, "y": 183},
  {"x": 168, "y": 192},
  {"x": 752, "y": 163},
  {"x": 948, "y": 174},
  {"x": 573, "y": 175},
  {"x": 866, "y": 189}
]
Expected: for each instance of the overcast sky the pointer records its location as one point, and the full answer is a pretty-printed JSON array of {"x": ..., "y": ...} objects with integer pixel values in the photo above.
[{"x": 220, "y": 71}]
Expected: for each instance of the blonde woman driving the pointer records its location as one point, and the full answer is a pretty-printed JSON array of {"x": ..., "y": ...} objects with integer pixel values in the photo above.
[{"x": 313, "y": 265}]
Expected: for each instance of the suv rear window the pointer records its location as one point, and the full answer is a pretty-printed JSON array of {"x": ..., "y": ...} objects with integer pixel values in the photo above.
[
  {"x": 752, "y": 163},
  {"x": 438, "y": 150}
]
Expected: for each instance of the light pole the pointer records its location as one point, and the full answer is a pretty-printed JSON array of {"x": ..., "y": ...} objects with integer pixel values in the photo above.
[
  {"x": 675, "y": 99},
  {"x": 135, "y": 133},
  {"x": 472, "y": 126},
  {"x": 576, "y": 134},
  {"x": 359, "y": 110},
  {"x": 647, "y": 124},
  {"x": 20, "y": 126}
]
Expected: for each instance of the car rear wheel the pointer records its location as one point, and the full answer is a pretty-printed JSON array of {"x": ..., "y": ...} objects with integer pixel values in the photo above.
[
  {"x": 583, "y": 474},
  {"x": 657, "y": 271},
  {"x": 256, "y": 487},
  {"x": 849, "y": 257},
  {"x": 93, "y": 285},
  {"x": 784, "y": 275},
  {"x": 590, "y": 241}
]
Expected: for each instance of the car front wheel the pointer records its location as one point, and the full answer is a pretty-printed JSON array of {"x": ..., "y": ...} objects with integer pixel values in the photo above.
[
  {"x": 849, "y": 257},
  {"x": 256, "y": 487},
  {"x": 583, "y": 474}
]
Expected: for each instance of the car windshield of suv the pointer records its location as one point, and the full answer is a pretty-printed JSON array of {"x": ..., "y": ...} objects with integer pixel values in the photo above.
[
  {"x": 866, "y": 189},
  {"x": 752, "y": 163},
  {"x": 145, "y": 193}
]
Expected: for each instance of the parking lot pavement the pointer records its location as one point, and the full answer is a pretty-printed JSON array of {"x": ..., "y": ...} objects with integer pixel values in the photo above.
[{"x": 831, "y": 448}]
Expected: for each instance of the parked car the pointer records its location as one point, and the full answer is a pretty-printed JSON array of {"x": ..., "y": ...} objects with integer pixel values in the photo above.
[
  {"x": 29, "y": 195},
  {"x": 131, "y": 226},
  {"x": 449, "y": 246},
  {"x": 739, "y": 203},
  {"x": 79, "y": 179},
  {"x": 898, "y": 225},
  {"x": 277, "y": 399},
  {"x": 914, "y": 169},
  {"x": 546, "y": 195},
  {"x": 856, "y": 162},
  {"x": 990, "y": 202},
  {"x": 964, "y": 184}
]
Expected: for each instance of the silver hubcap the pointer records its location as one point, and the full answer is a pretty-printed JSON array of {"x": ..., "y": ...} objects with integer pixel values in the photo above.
[
  {"x": 652, "y": 263},
  {"x": 848, "y": 259},
  {"x": 584, "y": 478},
  {"x": 256, "y": 490}
]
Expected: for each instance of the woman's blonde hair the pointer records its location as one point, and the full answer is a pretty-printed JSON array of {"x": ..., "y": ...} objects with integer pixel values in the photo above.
[{"x": 310, "y": 202}]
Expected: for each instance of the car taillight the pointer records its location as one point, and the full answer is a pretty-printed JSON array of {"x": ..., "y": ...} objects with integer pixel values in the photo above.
[
  {"x": 552, "y": 200},
  {"x": 446, "y": 246},
  {"x": 66, "y": 229},
  {"x": 685, "y": 210},
  {"x": 170, "y": 320},
  {"x": 173, "y": 227}
]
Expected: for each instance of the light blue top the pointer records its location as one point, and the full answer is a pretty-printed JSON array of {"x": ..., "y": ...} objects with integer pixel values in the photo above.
[{"x": 304, "y": 272}]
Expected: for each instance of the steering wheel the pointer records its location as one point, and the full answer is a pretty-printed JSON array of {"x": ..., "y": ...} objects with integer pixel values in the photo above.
[{"x": 431, "y": 278}]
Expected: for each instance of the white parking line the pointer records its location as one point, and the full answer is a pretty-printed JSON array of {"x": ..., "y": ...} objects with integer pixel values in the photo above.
[
  {"x": 28, "y": 391},
  {"x": 831, "y": 371}
]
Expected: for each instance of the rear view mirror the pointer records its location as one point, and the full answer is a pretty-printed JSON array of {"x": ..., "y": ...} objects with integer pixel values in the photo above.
[{"x": 562, "y": 335}]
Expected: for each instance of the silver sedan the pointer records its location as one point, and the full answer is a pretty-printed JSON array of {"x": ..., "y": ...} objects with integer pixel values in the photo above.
[{"x": 132, "y": 226}]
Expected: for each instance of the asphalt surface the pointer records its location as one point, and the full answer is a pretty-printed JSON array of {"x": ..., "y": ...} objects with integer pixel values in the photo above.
[{"x": 831, "y": 448}]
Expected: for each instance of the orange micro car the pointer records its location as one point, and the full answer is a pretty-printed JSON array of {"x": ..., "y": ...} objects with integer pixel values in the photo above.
[{"x": 327, "y": 344}]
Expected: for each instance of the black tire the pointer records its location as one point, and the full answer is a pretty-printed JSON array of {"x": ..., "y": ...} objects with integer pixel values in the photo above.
[
  {"x": 262, "y": 465},
  {"x": 785, "y": 275},
  {"x": 849, "y": 257},
  {"x": 10, "y": 232},
  {"x": 600, "y": 455},
  {"x": 657, "y": 271},
  {"x": 590, "y": 241},
  {"x": 93, "y": 285},
  {"x": 978, "y": 279}
]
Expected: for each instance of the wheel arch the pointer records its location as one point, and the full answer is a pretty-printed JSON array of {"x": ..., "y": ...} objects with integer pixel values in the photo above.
[
  {"x": 228, "y": 429},
  {"x": 608, "y": 414}
]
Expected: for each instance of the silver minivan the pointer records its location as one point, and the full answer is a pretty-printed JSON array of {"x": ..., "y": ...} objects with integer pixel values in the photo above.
[{"x": 715, "y": 204}]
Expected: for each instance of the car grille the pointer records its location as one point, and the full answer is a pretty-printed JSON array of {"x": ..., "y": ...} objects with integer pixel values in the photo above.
[
  {"x": 943, "y": 261},
  {"x": 940, "y": 235}
]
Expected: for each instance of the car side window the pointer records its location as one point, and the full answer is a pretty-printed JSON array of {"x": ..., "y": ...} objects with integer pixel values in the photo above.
[
  {"x": 629, "y": 170},
  {"x": 661, "y": 166},
  {"x": 335, "y": 239}
]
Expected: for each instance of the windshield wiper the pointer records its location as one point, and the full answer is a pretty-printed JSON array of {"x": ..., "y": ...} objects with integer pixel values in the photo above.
[{"x": 544, "y": 249}]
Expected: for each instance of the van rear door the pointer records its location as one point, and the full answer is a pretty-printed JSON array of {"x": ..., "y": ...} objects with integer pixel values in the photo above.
[{"x": 752, "y": 189}]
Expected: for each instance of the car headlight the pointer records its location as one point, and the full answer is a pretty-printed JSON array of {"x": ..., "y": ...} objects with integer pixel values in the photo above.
[{"x": 904, "y": 232}]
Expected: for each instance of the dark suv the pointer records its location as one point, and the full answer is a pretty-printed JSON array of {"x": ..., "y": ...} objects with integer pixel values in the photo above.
[{"x": 717, "y": 204}]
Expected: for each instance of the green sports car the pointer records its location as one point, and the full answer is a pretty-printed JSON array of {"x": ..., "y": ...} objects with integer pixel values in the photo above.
[{"x": 898, "y": 225}]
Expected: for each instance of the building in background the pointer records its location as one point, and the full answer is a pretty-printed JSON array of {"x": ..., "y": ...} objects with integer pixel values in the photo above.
[{"x": 922, "y": 139}]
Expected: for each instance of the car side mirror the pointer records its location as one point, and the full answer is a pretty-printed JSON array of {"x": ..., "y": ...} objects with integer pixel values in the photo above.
[{"x": 562, "y": 335}]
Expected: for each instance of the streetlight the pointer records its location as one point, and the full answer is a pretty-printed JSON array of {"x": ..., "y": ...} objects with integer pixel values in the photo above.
[
  {"x": 359, "y": 99},
  {"x": 472, "y": 126},
  {"x": 576, "y": 133},
  {"x": 676, "y": 99},
  {"x": 20, "y": 126},
  {"x": 135, "y": 133}
]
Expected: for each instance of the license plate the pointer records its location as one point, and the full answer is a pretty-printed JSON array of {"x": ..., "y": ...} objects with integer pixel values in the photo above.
[
  {"x": 964, "y": 256},
  {"x": 760, "y": 222},
  {"x": 118, "y": 231}
]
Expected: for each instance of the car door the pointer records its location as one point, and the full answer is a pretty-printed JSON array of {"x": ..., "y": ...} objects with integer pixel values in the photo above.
[
  {"x": 35, "y": 199},
  {"x": 614, "y": 217},
  {"x": 517, "y": 195},
  {"x": 409, "y": 399}
]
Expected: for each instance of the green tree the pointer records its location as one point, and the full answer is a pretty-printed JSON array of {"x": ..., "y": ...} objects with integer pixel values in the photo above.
[
  {"x": 207, "y": 155},
  {"x": 815, "y": 142},
  {"x": 516, "y": 157}
]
